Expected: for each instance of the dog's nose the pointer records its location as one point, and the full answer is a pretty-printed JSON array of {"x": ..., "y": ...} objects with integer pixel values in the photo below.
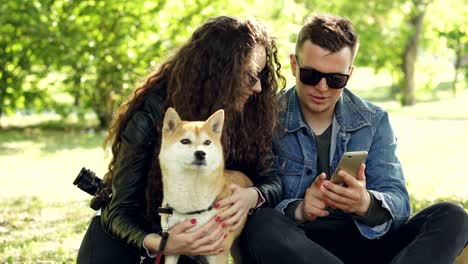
[{"x": 200, "y": 155}]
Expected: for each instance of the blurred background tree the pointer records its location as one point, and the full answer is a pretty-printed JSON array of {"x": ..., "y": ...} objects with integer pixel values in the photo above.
[{"x": 79, "y": 57}]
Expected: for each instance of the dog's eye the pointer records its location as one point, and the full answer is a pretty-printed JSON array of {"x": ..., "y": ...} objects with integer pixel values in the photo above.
[
  {"x": 207, "y": 142},
  {"x": 185, "y": 141}
]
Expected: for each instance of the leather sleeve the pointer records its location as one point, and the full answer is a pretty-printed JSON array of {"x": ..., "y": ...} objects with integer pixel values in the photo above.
[
  {"x": 124, "y": 216},
  {"x": 267, "y": 180}
]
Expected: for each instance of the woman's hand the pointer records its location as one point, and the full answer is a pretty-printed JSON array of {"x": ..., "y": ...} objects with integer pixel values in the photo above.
[
  {"x": 205, "y": 241},
  {"x": 240, "y": 202}
]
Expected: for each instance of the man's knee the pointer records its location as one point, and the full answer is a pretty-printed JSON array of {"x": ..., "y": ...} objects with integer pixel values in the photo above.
[
  {"x": 452, "y": 211},
  {"x": 452, "y": 218}
]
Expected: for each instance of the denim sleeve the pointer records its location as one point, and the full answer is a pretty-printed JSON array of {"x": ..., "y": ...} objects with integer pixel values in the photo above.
[
  {"x": 281, "y": 207},
  {"x": 385, "y": 180}
]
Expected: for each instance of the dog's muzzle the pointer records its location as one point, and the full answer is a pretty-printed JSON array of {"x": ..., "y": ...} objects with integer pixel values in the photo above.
[{"x": 200, "y": 158}]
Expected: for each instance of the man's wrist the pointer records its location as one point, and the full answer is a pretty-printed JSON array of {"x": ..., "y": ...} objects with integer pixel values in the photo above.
[
  {"x": 367, "y": 205},
  {"x": 298, "y": 215}
]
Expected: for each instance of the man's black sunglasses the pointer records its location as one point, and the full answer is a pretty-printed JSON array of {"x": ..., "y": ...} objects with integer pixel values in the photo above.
[{"x": 311, "y": 76}]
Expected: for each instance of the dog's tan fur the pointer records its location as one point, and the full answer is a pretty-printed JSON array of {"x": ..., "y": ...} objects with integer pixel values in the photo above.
[{"x": 191, "y": 187}]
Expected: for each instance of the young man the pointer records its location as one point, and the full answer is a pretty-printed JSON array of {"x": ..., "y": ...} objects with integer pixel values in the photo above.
[{"x": 366, "y": 219}]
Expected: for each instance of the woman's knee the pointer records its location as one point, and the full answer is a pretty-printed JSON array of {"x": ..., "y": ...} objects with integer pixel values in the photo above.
[
  {"x": 268, "y": 226},
  {"x": 263, "y": 221}
]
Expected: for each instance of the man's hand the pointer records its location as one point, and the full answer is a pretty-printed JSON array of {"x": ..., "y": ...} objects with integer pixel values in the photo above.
[
  {"x": 354, "y": 198},
  {"x": 313, "y": 205}
]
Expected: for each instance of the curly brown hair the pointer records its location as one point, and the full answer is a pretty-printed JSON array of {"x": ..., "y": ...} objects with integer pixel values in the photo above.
[{"x": 207, "y": 74}]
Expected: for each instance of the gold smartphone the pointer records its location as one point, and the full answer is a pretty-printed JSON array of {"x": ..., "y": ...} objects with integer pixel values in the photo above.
[{"x": 350, "y": 162}]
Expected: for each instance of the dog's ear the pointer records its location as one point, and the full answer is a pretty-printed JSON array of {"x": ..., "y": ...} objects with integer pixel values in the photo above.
[
  {"x": 171, "y": 121},
  {"x": 216, "y": 122}
]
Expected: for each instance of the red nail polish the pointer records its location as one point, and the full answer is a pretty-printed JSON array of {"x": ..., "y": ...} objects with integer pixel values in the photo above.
[
  {"x": 225, "y": 235},
  {"x": 217, "y": 205},
  {"x": 218, "y": 218},
  {"x": 224, "y": 224},
  {"x": 193, "y": 221}
]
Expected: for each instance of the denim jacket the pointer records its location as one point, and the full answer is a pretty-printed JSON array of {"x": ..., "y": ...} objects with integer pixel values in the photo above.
[{"x": 357, "y": 125}]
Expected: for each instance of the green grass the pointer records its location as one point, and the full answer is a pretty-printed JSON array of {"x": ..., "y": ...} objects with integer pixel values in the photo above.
[
  {"x": 43, "y": 216},
  {"x": 33, "y": 229}
]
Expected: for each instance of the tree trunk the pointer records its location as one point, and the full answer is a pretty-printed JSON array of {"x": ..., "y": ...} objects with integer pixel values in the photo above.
[
  {"x": 410, "y": 56},
  {"x": 458, "y": 57},
  {"x": 396, "y": 82},
  {"x": 3, "y": 87},
  {"x": 1, "y": 106},
  {"x": 104, "y": 121}
]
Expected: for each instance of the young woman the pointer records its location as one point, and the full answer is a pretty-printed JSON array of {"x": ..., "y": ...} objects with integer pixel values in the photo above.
[{"x": 227, "y": 64}]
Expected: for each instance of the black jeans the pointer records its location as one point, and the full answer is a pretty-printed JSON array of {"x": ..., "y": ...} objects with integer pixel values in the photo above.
[
  {"x": 437, "y": 234},
  {"x": 98, "y": 247}
]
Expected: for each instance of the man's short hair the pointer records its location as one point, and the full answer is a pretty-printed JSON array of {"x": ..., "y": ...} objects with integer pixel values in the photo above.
[{"x": 328, "y": 32}]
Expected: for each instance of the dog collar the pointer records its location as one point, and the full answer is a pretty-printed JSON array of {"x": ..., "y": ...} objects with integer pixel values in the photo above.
[
  {"x": 169, "y": 209},
  {"x": 201, "y": 211}
]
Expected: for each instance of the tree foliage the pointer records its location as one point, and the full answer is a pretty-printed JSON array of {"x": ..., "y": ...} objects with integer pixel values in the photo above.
[
  {"x": 87, "y": 56},
  {"x": 24, "y": 54}
]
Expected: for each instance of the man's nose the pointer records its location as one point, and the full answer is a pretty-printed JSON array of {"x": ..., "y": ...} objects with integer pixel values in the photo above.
[{"x": 322, "y": 85}]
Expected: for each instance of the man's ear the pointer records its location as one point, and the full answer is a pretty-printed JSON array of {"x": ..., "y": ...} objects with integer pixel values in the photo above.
[
  {"x": 216, "y": 122},
  {"x": 171, "y": 121},
  {"x": 293, "y": 63},
  {"x": 351, "y": 70}
]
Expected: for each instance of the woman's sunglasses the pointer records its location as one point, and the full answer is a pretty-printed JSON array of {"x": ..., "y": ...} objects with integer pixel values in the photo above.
[
  {"x": 252, "y": 79},
  {"x": 311, "y": 76}
]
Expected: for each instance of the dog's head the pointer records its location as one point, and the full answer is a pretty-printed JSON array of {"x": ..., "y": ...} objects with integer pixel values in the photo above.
[{"x": 192, "y": 145}]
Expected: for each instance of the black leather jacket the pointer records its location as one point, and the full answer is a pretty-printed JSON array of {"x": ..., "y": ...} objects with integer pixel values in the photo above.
[{"x": 124, "y": 216}]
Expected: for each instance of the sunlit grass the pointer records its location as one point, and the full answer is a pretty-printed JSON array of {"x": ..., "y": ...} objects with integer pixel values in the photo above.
[{"x": 33, "y": 230}]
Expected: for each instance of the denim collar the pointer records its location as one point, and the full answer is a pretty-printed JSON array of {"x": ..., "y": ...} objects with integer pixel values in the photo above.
[
  {"x": 293, "y": 118},
  {"x": 348, "y": 112}
]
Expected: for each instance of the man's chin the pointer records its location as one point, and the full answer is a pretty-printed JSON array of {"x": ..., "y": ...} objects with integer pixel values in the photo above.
[{"x": 319, "y": 109}]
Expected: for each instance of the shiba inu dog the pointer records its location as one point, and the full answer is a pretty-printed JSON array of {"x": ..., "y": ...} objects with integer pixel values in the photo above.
[{"x": 193, "y": 174}]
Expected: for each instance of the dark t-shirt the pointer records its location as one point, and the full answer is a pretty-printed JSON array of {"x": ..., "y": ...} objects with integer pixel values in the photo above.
[{"x": 323, "y": 151}]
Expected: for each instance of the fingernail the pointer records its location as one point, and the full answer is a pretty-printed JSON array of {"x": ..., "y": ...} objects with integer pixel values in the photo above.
[
  {"x": 193, "y": 221},
  {"x": 217, "y": 218},
  {"x": 217, "y": 205},
  {"x": 221, "y": 250},
  {"x": 225, "y": 235},
  {"x": 224, "y": 224}
]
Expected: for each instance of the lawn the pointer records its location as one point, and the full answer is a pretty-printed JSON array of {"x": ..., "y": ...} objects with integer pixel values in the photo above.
[{"x": 43, "y": 216}]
